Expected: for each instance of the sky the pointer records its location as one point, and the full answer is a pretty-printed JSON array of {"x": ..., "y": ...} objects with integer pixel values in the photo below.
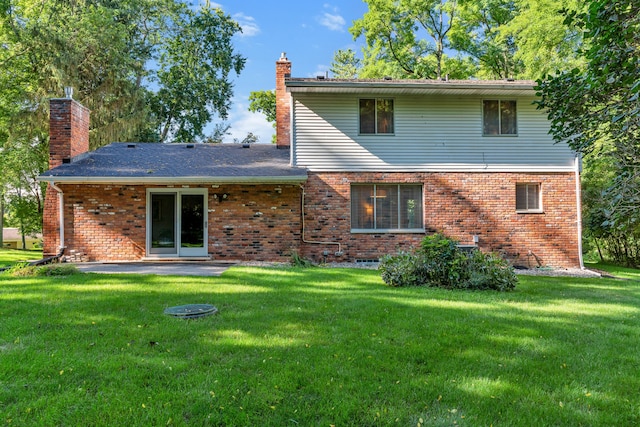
[{"x": 309, "y": 32}]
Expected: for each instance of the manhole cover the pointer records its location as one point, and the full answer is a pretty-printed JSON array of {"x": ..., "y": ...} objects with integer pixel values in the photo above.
[{"x": 191, "y": 311}]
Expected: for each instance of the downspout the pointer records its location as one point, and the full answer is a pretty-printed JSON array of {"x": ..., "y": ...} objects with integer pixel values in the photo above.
[
  {"x": 579, "y": 209},
  {"x": 60, "y": 214},
  {"x": 339, "y": 253}
]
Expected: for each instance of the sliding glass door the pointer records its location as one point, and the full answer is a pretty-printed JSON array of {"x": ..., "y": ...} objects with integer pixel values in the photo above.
[{"x": 177, "y": 222}]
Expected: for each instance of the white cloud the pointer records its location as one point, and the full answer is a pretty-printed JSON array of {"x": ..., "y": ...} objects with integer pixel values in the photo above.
[
  {"x": 332, "y": 22},
  {"x": 243, "y": 121},
  {"x": 248, "y": 23}
]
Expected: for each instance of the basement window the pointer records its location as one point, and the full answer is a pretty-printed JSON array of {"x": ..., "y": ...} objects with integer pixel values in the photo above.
[{"x": 528, "y": 198}]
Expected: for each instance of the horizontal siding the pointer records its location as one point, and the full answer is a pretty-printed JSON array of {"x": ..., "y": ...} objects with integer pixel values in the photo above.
[{"x": 431, "y": 133}]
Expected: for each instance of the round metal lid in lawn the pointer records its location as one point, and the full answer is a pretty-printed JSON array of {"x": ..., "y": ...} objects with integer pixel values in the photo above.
[{"x": 191, "y": 311}]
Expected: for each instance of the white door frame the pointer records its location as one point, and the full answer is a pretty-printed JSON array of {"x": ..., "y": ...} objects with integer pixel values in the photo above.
[{"x": 180, "y": 251}]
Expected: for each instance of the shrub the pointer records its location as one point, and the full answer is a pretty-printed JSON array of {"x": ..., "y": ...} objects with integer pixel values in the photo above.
[
  {"x": 26, "y": 270},
  {"x": 403, "y": 269},
  {"x": 440, "y": 262},
  {"x": 299, "y": 261}
]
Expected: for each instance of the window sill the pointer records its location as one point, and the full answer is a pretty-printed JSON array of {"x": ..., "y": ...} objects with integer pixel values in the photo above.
[
  {"x": 537, "y": 211},
  {"x": 388, "y": 231}
]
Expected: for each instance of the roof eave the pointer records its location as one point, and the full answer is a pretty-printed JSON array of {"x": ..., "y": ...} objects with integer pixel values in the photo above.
[
  {"x": 451, "y": 88},
  {"x": 173, "y": 180}
]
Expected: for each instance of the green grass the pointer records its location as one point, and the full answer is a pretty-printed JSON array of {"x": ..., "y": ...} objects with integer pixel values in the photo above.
[
  {"x": 317, "y": 347},
  {"x": 615, "y": 270},
  {"x": 9, "y": 257}
]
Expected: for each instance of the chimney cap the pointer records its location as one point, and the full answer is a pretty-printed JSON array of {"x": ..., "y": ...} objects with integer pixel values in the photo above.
[
  {"x": 283, "y": 57},
  {"x": 68, "y": 92}
]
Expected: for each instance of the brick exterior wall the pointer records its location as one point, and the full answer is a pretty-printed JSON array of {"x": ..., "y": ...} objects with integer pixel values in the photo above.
[
  {"x": 459, "y": 205},
  {"x": 68, "y": 137},
  {"x": 108, "y": 222},
  {"x": 283, "y": 103}
]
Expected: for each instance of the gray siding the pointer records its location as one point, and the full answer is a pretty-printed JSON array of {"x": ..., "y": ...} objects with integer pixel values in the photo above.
[{"x": 432, "y": 133}]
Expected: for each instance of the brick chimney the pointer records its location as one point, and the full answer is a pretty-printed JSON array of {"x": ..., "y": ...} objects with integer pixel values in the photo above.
[
  {"x": 68, "y": 130},
  {"x": 68, "y": 137},
  {"x": 283, "y": 103}
]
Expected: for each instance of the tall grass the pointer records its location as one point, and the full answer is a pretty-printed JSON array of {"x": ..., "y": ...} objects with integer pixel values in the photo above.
[{"x": 317, "y": 347}]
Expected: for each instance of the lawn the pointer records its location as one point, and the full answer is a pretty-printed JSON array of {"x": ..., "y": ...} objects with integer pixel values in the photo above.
[
  {"x": 317, "y": 347},
  {"x": 9, "y": 257}
]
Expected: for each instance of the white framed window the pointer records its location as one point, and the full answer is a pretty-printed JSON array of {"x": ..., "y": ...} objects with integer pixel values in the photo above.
[
  {"x": 499, "y": 117},
  {"x": 528, "y": 197},
  {"x": 376, "y": 116},
  {"x": 386, "y": 208}
]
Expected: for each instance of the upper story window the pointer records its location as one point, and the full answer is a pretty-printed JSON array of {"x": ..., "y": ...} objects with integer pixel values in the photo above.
[
  {"x": 499, "y": 117},
  {"x": 376, "y": 116},
  {"x": 528, "y": 197},
  {"x": 386, "y": 208}
]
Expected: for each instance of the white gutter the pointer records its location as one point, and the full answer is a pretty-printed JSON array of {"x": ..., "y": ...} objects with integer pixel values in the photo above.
[
  {"x": 579, "y": 209},
  {"x": 133, "y": 180},
  {"x": 60, "y": 213}
]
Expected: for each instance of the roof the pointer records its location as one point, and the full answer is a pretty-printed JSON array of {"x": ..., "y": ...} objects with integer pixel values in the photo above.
[
  {"x": 10, "y": 234},
  {"x": 142, "y": 163},
  {"x": 412, "y": 87}
]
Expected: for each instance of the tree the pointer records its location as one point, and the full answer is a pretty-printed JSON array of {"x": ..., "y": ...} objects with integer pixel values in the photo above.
[
  {"x": 479, "y": 35},
  {"x": 393, "y": 33},
  {"x": 491, "y": 39},
  {"x": 345, "y": 65},
  {"x": 194, "y": 74},
  {"x": 110, "y": 52},
  {"x": 543, "y": 41},
  {"x": 264, "y": 101},
  {"x": 596, "y": 110}
]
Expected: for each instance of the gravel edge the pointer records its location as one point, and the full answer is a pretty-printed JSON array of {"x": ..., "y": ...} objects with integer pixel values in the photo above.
[{"x": 545, "y": 271}]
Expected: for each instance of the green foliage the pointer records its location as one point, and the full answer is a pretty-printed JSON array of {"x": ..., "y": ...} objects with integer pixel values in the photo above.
[
  {"x": 596, "y": 110},
  {"x": 439, "y": 262},
  {"x": 345, "y": 64},
  {"x": 403, "y": 269},
  {"x": 298, "y": 260},
  {"x": 193, "y": 75},
  {"x": 25, "y": 269},
  {"x": 264, "y": 101},
  {"x": 485, "y": 38}
]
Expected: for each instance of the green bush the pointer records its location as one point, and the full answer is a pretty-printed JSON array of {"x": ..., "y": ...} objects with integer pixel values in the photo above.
[
  {"x": 439, "y": 262},
  {"x": 403, "y": 269},
  {"x": 26, "y": 270}
]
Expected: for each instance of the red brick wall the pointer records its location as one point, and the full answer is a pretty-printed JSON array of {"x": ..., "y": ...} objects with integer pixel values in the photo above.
[
  {"x": 68, "y": 130},
  {"x": 68, "y": 137},
  {"x": 108, "y": 222},
  {"x": 459, "y": 205}
]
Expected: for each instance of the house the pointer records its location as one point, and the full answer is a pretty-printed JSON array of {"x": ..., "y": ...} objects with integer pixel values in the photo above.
[
  {"x": 361, "y": 168},
  {"x": 12, "y": 239}
]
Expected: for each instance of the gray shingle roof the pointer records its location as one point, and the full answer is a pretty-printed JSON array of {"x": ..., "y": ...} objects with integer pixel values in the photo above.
[{"x": 149, "y": 162}]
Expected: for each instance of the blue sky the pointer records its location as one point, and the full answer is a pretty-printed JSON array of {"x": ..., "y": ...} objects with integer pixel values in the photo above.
[{"x": 309, "y": 33}]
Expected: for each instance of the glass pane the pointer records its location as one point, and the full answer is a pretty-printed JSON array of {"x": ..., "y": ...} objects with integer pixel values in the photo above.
[
  {"x": 491, "y": 121},
  {"x": 386, "y": 212},
  {"x": 533, "y": 196},
  {"x": 367, "y": 116},
  {"x": 163, "y": 224},
  {"x": 362, "y": 206},
  {"x": 521, "y": 196},
  {"x": 192, "y": 225},
  {"x": 508, "y": 118},
  {"x": 385, "y": 115},
  {"x": 411, "y": 206}
]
